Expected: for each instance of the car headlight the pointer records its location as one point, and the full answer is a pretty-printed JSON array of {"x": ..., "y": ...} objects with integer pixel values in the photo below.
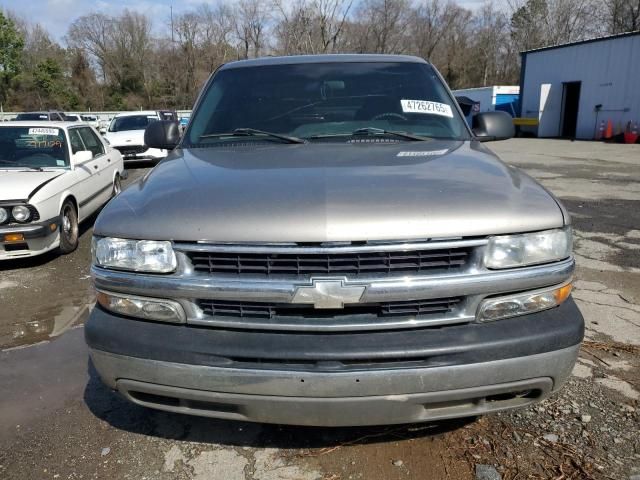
[
  {"x": 135, "y": 255},
  {"x": 21, "y": 214},
  {"x": 506, "y": 251},
  {"x": 497, "y": 308},
  {"x": 4, "y": 215}
]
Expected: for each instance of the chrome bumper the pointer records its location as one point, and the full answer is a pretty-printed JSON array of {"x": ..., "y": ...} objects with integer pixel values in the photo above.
[{"x": 340, "y": 398}]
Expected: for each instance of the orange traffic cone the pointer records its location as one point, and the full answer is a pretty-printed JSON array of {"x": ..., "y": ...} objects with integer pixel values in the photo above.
[{"x": 608, "y": 133}]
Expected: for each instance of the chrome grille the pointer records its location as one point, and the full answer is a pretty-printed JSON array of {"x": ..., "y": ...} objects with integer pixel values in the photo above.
[
  {"x": 351, "y": 264},
  {"x": 417, "y": 308}
]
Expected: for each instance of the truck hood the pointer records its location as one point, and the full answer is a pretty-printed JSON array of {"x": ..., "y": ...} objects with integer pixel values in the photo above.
[
  {"x": 330, "y": 192},
  {"x": 127, "y": 137},
  {"x": 22, "y": 185}
]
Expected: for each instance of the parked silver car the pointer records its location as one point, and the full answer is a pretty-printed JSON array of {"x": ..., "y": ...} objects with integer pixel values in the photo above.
[{"x": 330, "y": 244}]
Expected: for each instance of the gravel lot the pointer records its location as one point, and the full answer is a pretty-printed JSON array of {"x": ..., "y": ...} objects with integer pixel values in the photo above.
[{"x": 58, "y": 421}]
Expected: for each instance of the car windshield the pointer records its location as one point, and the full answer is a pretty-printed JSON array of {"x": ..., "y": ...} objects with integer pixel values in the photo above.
[
  {"x": 32, "y": 116},
  {"x": 33, "y": 147},
  {"x": 326, "y": 100},
  {"x": 131, "y": 122}
]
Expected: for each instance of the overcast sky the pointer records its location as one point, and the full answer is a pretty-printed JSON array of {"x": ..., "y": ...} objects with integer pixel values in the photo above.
[{"x": 57, "y": 15}]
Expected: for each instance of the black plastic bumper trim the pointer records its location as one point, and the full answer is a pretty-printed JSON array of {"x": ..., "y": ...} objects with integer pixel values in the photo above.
[{"x": 554, "y": 329}]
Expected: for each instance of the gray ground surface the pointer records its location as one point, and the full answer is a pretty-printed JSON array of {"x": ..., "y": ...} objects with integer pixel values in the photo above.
[{"x": 58, "y": 421}]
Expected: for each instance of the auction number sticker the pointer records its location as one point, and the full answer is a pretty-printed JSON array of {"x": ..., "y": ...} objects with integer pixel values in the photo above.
[
  {"x": 428, "y": 153},
  {"x": 43, "y": 131},
  {"x": 426, "y": 106}
]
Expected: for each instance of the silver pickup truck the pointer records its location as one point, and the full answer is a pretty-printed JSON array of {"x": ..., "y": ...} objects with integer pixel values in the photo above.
[{"x": 330, "y": 244}]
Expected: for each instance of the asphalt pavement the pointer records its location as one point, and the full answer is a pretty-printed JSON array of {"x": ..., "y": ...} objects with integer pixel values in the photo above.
[{"x": 57, "y": 420}]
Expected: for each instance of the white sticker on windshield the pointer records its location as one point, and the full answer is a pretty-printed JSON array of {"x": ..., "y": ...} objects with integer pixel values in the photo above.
[
  {"x": 429, "y": 153},
  {"x": 426, "y": 106},
  {"x": 43, "y": 131}
]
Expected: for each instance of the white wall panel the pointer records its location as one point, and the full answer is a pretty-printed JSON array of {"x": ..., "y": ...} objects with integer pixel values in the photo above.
[{"x": 610, "y": 74}]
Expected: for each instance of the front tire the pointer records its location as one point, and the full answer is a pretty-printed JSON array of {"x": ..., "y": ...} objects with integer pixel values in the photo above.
[
  {"x": 117, "y": 186},
  {"x": 68, "y": 227}
]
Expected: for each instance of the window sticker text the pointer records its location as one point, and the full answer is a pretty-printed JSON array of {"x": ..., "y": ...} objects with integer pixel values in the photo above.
[
  {"x": 43, "y": 131},
  {"x": 426, "y": 107}
]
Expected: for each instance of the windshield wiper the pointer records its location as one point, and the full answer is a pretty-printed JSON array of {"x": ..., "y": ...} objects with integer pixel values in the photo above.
[
  {"x": 374, "y": 131},
  {"x": 13, "y": 164},
  {"x": 381, "y": 131},
  {"x": 254, "y": 132}
]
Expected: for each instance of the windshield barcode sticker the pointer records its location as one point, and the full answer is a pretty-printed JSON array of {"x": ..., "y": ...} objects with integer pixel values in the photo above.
[
  {"x": 426, "y": 106},
  {"x": 430, "y": 153},
  {"x": 43, "y": 131}
]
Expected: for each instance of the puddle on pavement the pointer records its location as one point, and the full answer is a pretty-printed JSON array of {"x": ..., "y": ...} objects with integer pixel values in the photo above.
[
  {"x": 41, "y": 379},
  {"x": 46, "y": 324}
]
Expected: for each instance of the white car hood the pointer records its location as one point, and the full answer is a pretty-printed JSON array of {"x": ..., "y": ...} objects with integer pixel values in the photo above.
[
  {"x": 21, "y": 185},
  {"x": 128, "y": 137}
]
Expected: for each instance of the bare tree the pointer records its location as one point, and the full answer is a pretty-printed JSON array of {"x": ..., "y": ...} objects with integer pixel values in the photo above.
[
  {"x": 311, "y": 27},
  {"x": 217, "y": 30},
  {"x": 93, "y": 33},
  {"x": 428, "y": 25},
  {"x": 622, "y": 15},
  {"x": 490, "y": 36},
  {"x": 382, "y": 26},
  {"x": 188, "y": 33},
  {"x": 250, "y": 26}
]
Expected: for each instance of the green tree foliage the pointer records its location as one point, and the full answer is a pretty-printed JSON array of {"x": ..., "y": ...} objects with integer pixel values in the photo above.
[{"x": 11, "y": 48}]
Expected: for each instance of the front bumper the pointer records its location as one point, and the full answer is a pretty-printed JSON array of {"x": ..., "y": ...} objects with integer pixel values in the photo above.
[
  {"x": 341, "y": 379},
  {"x": 148, "y": 154},
  {"x": 38, "y": 238}
]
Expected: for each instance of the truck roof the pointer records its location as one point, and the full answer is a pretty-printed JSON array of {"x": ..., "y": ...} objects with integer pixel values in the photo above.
[{"x": 332, "y": 58}]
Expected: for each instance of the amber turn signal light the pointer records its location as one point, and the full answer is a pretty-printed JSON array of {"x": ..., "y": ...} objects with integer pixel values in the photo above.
[
  {"x": 14, "y": 237},
  {"x": 562, "y": 293}
]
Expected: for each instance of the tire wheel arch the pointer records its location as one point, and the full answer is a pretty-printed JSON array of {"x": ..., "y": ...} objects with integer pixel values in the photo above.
[{"x": 69, "y": 241}]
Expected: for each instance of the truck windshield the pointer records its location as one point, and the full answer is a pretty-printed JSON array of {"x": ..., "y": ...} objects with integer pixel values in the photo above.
[
  {"x": 326, "y": 100},
  {"x": 32, "y": 147},
  {"x": 131, "y": 122}
]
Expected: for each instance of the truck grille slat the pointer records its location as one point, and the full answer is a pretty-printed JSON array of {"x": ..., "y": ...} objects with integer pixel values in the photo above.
[
  {"x": 226, "y": 308},
  {"x": 355, "y": 264}
]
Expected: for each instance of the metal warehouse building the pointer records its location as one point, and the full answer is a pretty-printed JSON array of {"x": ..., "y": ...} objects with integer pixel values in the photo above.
[{"x": 572, "y": 88}]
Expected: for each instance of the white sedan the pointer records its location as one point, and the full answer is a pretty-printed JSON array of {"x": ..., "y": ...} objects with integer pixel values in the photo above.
[
  {"x": 53, "y": 175},
  {"x": 126, "y": 133}
]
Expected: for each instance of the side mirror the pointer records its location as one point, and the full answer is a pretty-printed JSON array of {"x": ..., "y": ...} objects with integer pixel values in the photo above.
[
  {"x": 82, "y": 156},
  {"x": 163, "y": 134},
  {"x": 491, "y": 126}
]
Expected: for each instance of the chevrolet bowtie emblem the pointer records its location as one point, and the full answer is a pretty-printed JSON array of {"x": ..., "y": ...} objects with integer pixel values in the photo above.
[{"x": 328, "y": 294}]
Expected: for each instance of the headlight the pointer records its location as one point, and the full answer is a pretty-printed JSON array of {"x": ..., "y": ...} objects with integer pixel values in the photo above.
[
  {"x": 142, "y": 307},
  {"x": 21, "y": 213},
  {"x": 507, "y": 251},
  {"x": 522, "y": 303},
  {"x": 136, "y": 255},
  {"x": 4, "y": 215}
]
